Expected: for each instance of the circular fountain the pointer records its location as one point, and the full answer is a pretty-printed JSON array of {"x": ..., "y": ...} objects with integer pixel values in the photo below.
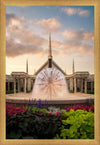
[{"x": 50, "y": 84}]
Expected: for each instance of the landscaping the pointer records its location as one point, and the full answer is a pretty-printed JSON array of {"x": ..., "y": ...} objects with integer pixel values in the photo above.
[
  {"x": 38, "y": 122},
  {"x": 11, "y": 92}
]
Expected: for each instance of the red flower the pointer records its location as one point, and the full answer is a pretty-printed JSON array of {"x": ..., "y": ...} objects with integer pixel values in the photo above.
[
  {"x": 40, "y": 112},
  {"x": 12, "y": 109},
  {"x": 80, "y": 107},
  {"x": 50, "y": 113},
  {"x": 57, "y": 113}
]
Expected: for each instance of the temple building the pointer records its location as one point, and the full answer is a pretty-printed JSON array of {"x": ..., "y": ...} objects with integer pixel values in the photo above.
[{"x": 23, "y": 82}]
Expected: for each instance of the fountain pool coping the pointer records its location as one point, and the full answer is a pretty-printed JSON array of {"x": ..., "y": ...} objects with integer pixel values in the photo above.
[{"x": 75, "y": 98}]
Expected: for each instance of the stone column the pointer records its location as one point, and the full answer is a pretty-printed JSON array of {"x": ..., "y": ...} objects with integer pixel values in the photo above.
[
  {"x": 24, "y": 85},
  {"x": 29, "y": 84},
  {"x": 71, "y": 84},
  {"x": 14, "y": 85},
  {"x": 85, "y": 85},
  {"x": 18, "y": 85},
  {"x": 81, "y": 85},
  {"x": 75, "y": 90}
]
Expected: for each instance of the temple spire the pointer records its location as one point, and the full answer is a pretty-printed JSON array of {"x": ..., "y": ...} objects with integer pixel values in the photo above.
[
  {"x": 65, "y": 70},
  {"x": 73, "y": 69},
  {"x": 50, "y": 51},
  {"x": 27, "y": 66}
]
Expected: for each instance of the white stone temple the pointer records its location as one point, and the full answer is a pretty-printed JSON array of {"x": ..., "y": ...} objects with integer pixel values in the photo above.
[{"x": 80, "y": 81}]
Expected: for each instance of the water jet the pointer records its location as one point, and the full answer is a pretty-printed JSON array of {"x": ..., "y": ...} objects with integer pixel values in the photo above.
[{"x": 50, "y": 84}]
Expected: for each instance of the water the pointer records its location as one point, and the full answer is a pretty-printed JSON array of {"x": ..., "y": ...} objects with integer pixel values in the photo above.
[{"x": 50, "y": 84}]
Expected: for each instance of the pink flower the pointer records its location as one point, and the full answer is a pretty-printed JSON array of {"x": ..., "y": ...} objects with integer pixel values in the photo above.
[
  {"x": 57, "y": 113},
  {"x": 50, "y": 113},
  {"x": 12, "y": 109},
  {"x": 80, "y": 107}
]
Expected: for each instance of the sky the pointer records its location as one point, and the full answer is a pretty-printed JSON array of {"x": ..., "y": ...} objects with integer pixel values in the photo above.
[{"x": 27, "y": 37}]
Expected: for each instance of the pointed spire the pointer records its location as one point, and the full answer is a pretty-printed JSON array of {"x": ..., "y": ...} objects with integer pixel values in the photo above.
[
  {"x": 65, "y": 70},
  {"x": 73, "y": 67},
  {"x": 27, "y": 66},
  {"x": 50, "y": 51}
]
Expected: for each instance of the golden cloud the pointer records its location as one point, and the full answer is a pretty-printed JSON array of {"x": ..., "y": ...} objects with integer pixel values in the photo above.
[
  {"x": 22, "y": 40},
  {"x": 49, "y": 25},
  {"x": 79, "y": 34},
  {"x": 72, "y": 11}
]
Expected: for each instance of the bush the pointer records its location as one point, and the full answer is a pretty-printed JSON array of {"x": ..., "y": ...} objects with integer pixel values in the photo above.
[
  {"x": 35, "y": 109},
  {"x": 11, "y": 92},
  {"x": 90, "y": 92},
  {"x": 71, "y": 91},
  {"x": 37, "y": 125},
  {"x": 41, "y": 123},
  {"x": 77, "y": 125},
  {"x": 28, "y": 91}
]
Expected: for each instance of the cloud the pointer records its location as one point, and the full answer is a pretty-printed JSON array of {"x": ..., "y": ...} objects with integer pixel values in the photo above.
[
  {"x": 79, "y": 34},
  {"x": 77, "y": 43},
  {"x": 76, "y": 47},
  {"x": 89, "y": 35},
  {"x": 72, "y": 46},
  {"x": 25, "y": 35},
  {"x": 49, "y": 25},
  {"x": 12, "y": 19},
  {"x": 70, "y": 11},
  {"x": 83, "y": 12},
  {"x": 56, "y": 44},
  {"x": 75, "y": 11},
  {"x": 14, "y": 48},
  {"x": 21, "y": 40},
  {"x": 79, "y": 56}
]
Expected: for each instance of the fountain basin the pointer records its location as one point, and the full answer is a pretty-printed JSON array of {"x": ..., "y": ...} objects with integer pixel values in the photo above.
[{"x": 75, "y": 98}]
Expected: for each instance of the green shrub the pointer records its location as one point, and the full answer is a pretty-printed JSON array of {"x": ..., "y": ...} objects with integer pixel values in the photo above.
[
  {"x": 11, "y": 92},
  {"x": 71, "y": 91},
  {"x": 90, "y": 92},
  {"x": 77, "y": 125},
  {"x": 28, "y": 91},
  {"x": 35, "y": 109},
  {"x": 36, "y": 125}
]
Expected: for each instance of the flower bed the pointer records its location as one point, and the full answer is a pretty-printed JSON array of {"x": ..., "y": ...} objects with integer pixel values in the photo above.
[
  {"x": 80, "y": 107},
  {"x": 73, "y": 122},
  {"x": 12, "y": 110},
  {"x": 36, "y": 124}
]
